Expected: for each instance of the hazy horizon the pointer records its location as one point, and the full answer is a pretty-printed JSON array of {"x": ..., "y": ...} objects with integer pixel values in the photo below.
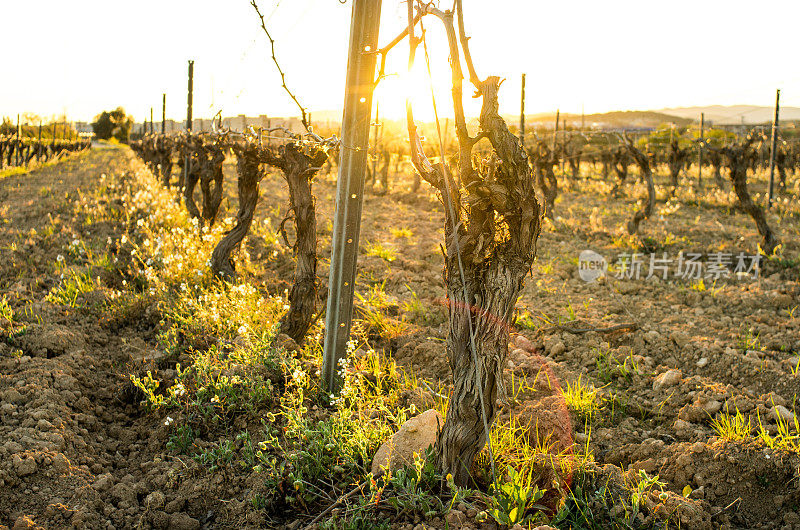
[{"x": 576, "y": 54}]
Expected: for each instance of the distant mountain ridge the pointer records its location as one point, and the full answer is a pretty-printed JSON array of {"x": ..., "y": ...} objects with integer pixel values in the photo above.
[{"x": 734, "y": 114}]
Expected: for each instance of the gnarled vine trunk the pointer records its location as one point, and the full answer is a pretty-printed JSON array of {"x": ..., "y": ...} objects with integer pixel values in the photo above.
[
  {"x": 737, "y": 161},
  {"x": 299, "y": 169},
  {"x": 248, "y": 168},
  {"x": 648, "y": 204},
  {"x": 490, "y": 243},
  {"x": 212, "y": 158}
]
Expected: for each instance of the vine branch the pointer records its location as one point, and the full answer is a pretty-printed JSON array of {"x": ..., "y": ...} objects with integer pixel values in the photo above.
[{"x": 304, "y": 118}]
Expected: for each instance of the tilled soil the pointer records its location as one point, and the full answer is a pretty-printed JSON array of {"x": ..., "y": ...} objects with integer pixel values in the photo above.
[{"x": 77, "y": 450}]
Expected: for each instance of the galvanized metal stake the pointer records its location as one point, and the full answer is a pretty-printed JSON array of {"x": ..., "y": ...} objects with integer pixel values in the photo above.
[
  {"x": 364, "y": 27},
  {"x": 772, "y": 150}
]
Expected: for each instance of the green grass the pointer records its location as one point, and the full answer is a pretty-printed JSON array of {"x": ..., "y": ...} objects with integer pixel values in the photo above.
[
  {"x": 732, "y": 427},
  {"x": 581, "y": 398},
  {"x": 380, "y": 251},
  {"x": 71, "y": 288}
]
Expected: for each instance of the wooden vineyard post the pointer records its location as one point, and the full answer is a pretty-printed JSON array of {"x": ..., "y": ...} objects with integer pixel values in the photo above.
[
  {"x": 555, "y": 130},
  {"x": 19, "y": 143},
  {"x": 700, "y": 152},
  {"x": 163, "y": 113},
  {"x": 39, "y": 147},
  {"x": 522, "y": 113},
  {"x": 189, "y": 89},
  {"x": 773, "y": 146},
  {"x": 359, "y": 86}
]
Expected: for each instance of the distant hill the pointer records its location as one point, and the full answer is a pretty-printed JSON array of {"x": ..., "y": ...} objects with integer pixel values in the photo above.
[
  {"x": 734, "y": 114},
  {"x": 619, "y": 118}
]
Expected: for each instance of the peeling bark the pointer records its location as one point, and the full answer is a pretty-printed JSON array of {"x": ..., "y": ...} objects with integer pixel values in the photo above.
[
  {"x": 492, "y": 238},
  {"x": 212, "y": 157},
  {"x": 646, "y": 209},
  {"x": 737, "y": 161},
  {"x": 299, "y": 167},
  {"x": 250, "y": 172}
]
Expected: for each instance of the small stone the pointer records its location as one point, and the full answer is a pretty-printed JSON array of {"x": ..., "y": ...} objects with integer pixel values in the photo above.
[
  {"x": 712, "y": 406},
  {"x": 413, "y": 438},
  {"x": 680, "y": 338},
  {"x": 456, "y": 518},
  {"x": 668, "y": 378},
  {"x": 60, "y": 463},
  {"x": 523, "y": 343},
  {"x": 103, "y": 482},
  {"x": 702, "y": 362},
  {"x": 779, "y": 411},
  {"x": 183, "y": 521},
  {"x": 24, "y": 465},
  {"x": 681, "y": 425},
  {"x": 154, "y": 501},
  {"x": 12, "y": 395}
]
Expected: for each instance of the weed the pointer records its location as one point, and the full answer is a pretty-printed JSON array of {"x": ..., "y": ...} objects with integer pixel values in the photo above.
[
  {"x": 730, "y": 427},
  {"x": 581, "y": 398},
  {"x": 514, "y": 497},
  {"x": 6, "y": 313},
  {"x": 747, "y": 340},
  {"x": 609, "y": 368},
  {"x": 402, "y": 233},
  {"x": 70, "y": 288},
  {"x": 378, "y": 250},
  {"x": 525, "y": 321}
]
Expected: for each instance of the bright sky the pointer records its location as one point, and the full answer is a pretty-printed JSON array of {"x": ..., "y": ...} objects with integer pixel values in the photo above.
[{"x": 85, "y": 56}]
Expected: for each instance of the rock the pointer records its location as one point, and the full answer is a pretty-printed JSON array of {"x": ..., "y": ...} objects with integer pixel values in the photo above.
[
  {"x": 557, "y": 348},
  {"x": 60, "y": 463},
  {"x": 456, "y": 518},
  {"x": 712, "y": 406},
  {"x": 103, "y": 482},
  {"x": 668, "y": 378},
  {"x": 12, "y": 395},
  {"x": 154, "y": 501},
  {"x": 680, "y": 338},
  {"x": 183, "y": 521},
  {"x": 523, "y": 343},
  {"x": 682, "y": 426},
  {"x": 779, "y": 411},
  {"x": 24, "y": 465},
  {"x": 702, "y": 362},
  {"x": 413, "y": 438},
  {"x": 123, "y": 492},
  {"x": 23, "y": 522}
]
